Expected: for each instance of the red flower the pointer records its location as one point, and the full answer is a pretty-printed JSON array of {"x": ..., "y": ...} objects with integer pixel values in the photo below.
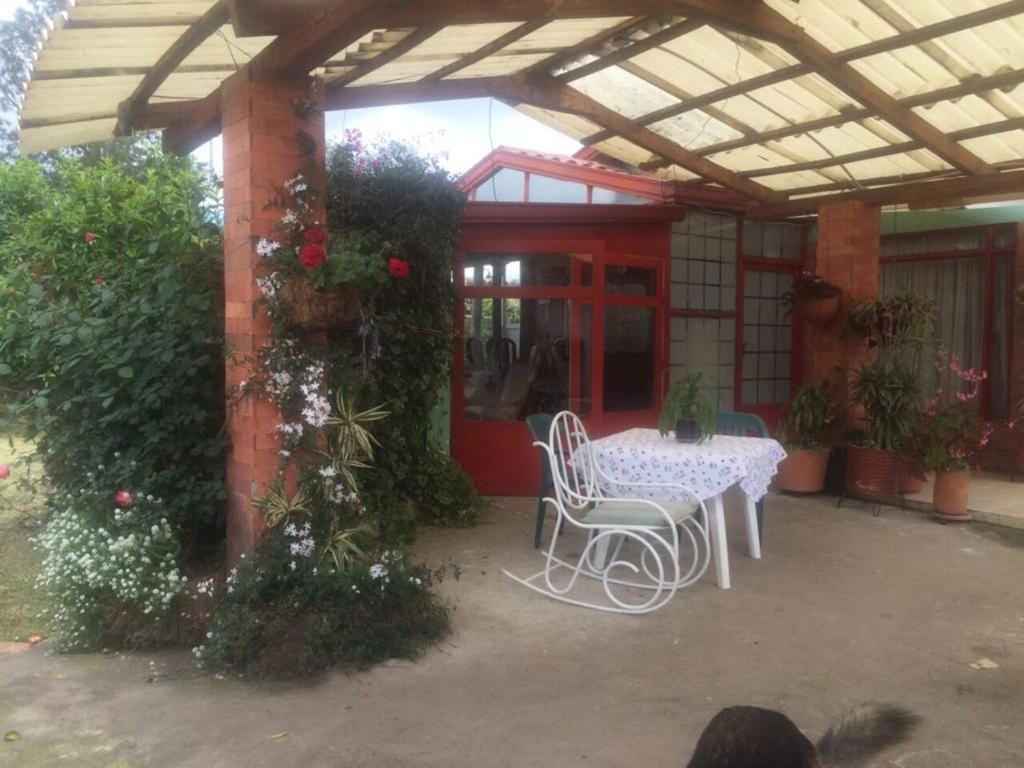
[
  {"x": 314, "y": 236},
  {"x": 89, "y": 237},
  {"x": 312, "y": 256},
  {"x": 124, "y": 498},
  {"x": 5, "y": 471},
  {"x": 398, "y": 267}
]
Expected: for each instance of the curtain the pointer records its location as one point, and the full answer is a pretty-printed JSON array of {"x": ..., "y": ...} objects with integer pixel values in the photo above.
[{"x": 957, "y": 286}]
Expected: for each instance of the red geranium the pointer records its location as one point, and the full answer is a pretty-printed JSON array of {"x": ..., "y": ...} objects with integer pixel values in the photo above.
[
  {"x": 314, "y": 236},
  {"x": 398, "y": 267},
  {"x": 312, "y": 256},
  {"x": 89, "y": 237},
  {"x": 5, "y": 471},
  {"x": 124, "y": 498}
]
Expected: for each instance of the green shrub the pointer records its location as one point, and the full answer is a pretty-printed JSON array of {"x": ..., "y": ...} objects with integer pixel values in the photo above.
[
  {"x": 444, "y": 493},
  {"x": 283, "y": 612}
]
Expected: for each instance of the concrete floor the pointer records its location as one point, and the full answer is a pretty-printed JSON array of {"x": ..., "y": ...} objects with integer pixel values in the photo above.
[
  {"x": 991, "y": 498},
  {"x": 844, "y": 608}
]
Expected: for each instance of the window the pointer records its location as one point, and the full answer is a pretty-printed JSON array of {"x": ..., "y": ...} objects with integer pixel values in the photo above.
[
  {"x": 968, "y": 273},
  {"x": 544, "y": 189},
  {"x": 505, "y": 186},
  {"x": 512, "y": 270},
  {"x": 772, "y": 240}
]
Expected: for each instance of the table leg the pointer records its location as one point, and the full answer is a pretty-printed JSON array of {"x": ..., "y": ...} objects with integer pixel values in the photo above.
[
  {"x": 719, "y": 545},
  {"x": 753, "y": 537}
]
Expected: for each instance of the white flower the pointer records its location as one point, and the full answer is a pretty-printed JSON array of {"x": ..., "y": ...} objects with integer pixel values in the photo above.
[
  {"x": 265, "y": 247},
  {"x": 378, "y": 571},
  {"x": 328, "y": 472}
]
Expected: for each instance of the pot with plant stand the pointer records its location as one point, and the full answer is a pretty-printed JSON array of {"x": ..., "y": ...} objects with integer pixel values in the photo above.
[{"x": 806, "y": 430}]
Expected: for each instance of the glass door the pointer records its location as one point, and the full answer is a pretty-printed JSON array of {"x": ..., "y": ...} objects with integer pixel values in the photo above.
[{"x": 767, "y": 367}]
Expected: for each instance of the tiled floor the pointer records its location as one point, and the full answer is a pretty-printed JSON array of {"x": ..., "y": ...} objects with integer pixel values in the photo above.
[{"x": 992, "y": 498}]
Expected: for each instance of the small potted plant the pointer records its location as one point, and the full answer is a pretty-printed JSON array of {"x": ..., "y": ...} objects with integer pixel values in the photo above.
[
  {"x": 889, "y": 393},
  {"x": 687, "y": 410},
  {"x": 814, "y": 298},
  {"x": 807, "y": 429}
]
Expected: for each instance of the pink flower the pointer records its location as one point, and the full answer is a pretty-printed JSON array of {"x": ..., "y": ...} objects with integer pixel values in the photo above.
[
  {"x": 89, "y": 238},
  {"x": 5, "y": 471},
  {"x": 124, "y": 498}
]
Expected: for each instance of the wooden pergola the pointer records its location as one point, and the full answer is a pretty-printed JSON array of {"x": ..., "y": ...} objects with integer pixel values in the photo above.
[{"x": 798, "y": 107}]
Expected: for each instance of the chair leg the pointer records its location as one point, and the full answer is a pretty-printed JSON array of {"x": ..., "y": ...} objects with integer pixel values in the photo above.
[
  {"x": 753, "y": 529},
  {"x": 539, "y": 527},
  {"x": 760, "y": 524}
]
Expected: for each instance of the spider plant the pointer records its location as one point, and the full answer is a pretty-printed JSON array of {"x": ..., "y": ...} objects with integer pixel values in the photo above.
[
  {"x": 344, "y": 548},
  {"x": 350, "y": 442},
  {"x": 277, "y": 507},
  {"x": 684, "y": 401}
]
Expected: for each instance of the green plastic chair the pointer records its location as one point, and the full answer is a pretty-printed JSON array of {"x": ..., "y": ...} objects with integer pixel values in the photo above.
[
  {"x": 540, "y": 428},
  {"x": 741, "y": 424}
]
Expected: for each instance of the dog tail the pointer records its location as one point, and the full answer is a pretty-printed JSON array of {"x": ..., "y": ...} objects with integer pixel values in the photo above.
[{"x": 864, "y": 731}]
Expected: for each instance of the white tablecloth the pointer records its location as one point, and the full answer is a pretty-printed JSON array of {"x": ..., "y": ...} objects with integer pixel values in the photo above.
[{"x": 708, "y": 468}]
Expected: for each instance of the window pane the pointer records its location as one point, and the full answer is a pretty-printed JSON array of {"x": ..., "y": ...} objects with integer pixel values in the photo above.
[
  {"x": 602, "y": 196},
  {"x": 544, "y": 189},
  {"x": 767, "y": 339},
  {"x": 505, "y": 186},
  {"x": 518, "y": 358},
  {"x": 628, "y": 358},
  {"x": 630, "y": 281},
  {"x": 517, "y": 269}
]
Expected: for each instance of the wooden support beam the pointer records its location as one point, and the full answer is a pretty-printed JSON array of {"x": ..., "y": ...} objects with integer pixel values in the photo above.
[
  {"x": 634, "y": 48},
  {"x": 497, "y": 44},
  {"x": 197, "y": 126},
  {"x": 357, "y": 97},
  {"x": 548, "y": 93},
  {"x": 1008, "y": 79},
  {"x": 194, "y": 36},
  {"x": 388, "y": 55},
  {"x": 920, "y": 194},
  {"x": 893, "y": 42}
]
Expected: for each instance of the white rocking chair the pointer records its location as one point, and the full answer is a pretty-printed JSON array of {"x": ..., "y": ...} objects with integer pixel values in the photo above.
[{"x": 613, "y": 527}]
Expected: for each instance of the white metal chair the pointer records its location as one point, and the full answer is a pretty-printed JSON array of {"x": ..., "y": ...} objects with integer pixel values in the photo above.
[{"x": 663, "y": 534}]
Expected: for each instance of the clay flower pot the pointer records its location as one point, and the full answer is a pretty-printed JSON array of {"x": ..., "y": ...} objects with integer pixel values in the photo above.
[
  {"x": 949, "y": 497},
  {"x": 820, "y": 311},
  {"x": 803, "y": 471},
  {"x": 872, "y": 474},
  {"x": 321, "y": 310},
  {"x": 911, "y": 481}
]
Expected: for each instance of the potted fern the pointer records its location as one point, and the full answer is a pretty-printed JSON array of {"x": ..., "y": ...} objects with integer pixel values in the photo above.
[
  {"x": 687, "y": 410},
  {"x": 807, "y": 429}
]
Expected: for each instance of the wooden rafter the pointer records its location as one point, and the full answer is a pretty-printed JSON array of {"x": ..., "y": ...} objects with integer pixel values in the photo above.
[
  {"x": 300, "y": 51},
  {"x": 195, "y": 127},
  {"x": 634, "y": 48},
  {"x": 548, "y": 93},
  {"x": 893, "y": 42},
  {"x": 194, "y": 36},
  {"x": 497, "y": 44},
  {"x": 409, "y": 93},
  {"x": 403, "y": 46},
  {"x": 914, "y": 193},
  {"x": 1007, "y": 79}
]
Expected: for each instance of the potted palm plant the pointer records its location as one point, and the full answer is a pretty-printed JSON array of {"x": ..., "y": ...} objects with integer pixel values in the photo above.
[
  {"x": 807, "y": 429},
  {"x": 889, "y": 393},
  {"x": 814, "y": 298},
  {"x": 687, "y": 411}
]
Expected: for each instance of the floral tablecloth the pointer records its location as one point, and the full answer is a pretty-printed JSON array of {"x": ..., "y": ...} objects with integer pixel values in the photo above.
[{"x": 708, "y": 468}]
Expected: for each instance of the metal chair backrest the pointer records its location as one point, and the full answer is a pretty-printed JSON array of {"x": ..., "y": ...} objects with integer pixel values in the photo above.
[
  {"x": 540, "y": 428},
  {"x": 740, "y": 424},
  {"x": 572, "y": 458}
]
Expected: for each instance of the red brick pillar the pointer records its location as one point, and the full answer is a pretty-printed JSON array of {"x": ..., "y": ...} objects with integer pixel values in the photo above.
[
  {"x": 847, "y": 254},
  {"x": 259, "y": 123}
]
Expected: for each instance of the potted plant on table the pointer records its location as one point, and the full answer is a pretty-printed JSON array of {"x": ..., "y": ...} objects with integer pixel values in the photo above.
[
  {"x": 807, "y": 430},
  {"x": 814, "y": 298},
  {"x": 686, "y": 410}
]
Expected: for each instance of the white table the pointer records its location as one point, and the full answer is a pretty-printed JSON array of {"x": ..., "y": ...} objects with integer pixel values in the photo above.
[{"x": 708, "y": 469}]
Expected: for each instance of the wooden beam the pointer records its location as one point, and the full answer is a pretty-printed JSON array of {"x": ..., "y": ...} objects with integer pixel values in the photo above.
[
  {"x": 497, "y": 44},
  {"x": 253, "y": 18},
  {"x": 548, "y": 93},
  {"x": 914, "y": 193},
  {"x": 357, "y": 97},
  {"x": 402, "y": 47},
  {"x": 194, "y": 36},
  {"x": 585, "y": 47},
  {"x": 974, "y": 132},
  {"x": 1008, "y": 79},
  {"x": 634, "y": 48},
  {"x": 893, "y": 42},
  {"x": 197, "y": 126}
]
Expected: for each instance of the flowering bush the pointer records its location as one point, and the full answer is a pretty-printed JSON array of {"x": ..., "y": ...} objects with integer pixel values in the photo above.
[{"x": 110, "y": 573}]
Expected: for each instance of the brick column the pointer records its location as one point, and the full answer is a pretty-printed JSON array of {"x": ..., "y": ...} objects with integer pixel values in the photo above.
[
  {"x": 847, "y": 254},
  {"x": 259, "y": 125}
]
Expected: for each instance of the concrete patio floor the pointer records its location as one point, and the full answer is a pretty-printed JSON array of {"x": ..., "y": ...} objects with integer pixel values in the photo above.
[
  {"x": 844, "y": 608},
  {"x": 991, "y": 498}
]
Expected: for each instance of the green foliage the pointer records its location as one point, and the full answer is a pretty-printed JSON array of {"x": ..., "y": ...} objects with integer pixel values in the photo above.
[
  {"x": 898, "y": 322},
  {"x": 280, "y": 615},
  {"x": 947, "y": 436},
  {"x": 685, "y": 400},
  {"x": 890, "y": 394},
  {"x": 444, "y": 494},
  {"x": 810, "y": 419},
  {"x": 806, "y": 287},
  {"x": 111, "y": 330}
]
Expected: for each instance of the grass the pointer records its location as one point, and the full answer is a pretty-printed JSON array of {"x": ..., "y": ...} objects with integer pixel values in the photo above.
[{"x": 20, "y": 508}]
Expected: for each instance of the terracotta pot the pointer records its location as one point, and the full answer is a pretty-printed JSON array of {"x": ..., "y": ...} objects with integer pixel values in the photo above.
[
  {"x": 872, "y": 474},
  {"x": 322, "y": 310},
  {"x": 820, "y": 311},
  {"x": 949, "y": 497},
  {"x": 911, "y": 481},
  {"x": 803, "y": 471}
]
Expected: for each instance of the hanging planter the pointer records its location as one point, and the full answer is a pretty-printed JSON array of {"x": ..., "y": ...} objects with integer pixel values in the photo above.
[
  {"x": 949, "y": 498},
  {"x": 819, "y": 311},
  {"x": 317, "y": 310},
  {"x": 813, "y": 298}
]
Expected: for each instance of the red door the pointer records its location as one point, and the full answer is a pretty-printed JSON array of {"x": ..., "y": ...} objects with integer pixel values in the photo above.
[{"x": 546, "y": 325}]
